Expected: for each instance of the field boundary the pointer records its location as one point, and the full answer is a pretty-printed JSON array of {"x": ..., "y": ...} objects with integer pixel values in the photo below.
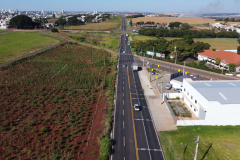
[{"x": 3, "y": 65}]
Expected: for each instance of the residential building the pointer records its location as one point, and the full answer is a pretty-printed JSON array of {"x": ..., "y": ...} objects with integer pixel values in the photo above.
[
  {"x": 213, "y": 102},
  {"x": 225, "y": 56}
]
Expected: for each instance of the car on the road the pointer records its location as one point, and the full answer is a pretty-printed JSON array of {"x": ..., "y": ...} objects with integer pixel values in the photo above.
[
  {"x": 152, "y": 73},
  {"x": 136, "y": 107},
  {"x": 124, "y": 65},
  {"x": 123, "y": 51},
  {"x": 178, "y": 90},
  {"x": 168, "y": 86}
]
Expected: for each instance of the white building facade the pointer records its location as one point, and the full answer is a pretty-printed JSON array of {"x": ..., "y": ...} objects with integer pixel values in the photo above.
[{"x": 213, "y": 102}]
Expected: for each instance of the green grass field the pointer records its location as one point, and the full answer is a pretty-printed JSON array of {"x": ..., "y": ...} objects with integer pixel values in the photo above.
[
  {"x": 17, "y": 44},
  {"x": 224, "y": 139},
  {"x": 111, "y": 40},
  {"x": 217, "y": 43}
]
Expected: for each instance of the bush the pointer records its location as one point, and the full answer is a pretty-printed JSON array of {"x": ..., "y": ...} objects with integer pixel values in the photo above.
[
  {"x": 105, "y": 147},
  {"x": 44, "y": 130},
  {"x": 54, "y": 30}
]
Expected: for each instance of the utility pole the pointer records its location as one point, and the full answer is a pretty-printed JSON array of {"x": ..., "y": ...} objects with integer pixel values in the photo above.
[
  {"x": 184, "y": 68},
  {"x": 153, "y": 52},
  {"x": 176, "y": 54},
  {"x": 195, "y": 157}
]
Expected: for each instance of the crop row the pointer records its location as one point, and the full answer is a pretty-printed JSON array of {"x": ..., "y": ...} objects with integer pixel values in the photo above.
[{"x": 47, "y": 102}]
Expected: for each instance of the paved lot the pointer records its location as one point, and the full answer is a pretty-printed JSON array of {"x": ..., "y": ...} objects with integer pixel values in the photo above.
[{"x": 161, "y": 116}]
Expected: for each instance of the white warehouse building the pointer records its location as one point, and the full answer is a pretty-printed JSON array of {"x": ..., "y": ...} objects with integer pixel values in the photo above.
[{"x": 213, "y": 102}]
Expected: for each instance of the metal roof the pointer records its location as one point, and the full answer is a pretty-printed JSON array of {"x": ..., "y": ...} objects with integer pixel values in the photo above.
[{"x": 225, "y": 92}]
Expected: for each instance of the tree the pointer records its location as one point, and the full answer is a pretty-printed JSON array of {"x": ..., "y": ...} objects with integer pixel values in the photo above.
[
  {"x": 174, "y": 24},
  {"x": 232, "y": 67},
  {"x": 61, "y": 21},
  {"x": 217, "y": 60},
  {"x": 186, "y": 26},
  {"x": 22, "y": 22},
  {"x": 238, "y": 40},
  {"x": 238, "y": 50},
  {"x": 130, "y": 22}
]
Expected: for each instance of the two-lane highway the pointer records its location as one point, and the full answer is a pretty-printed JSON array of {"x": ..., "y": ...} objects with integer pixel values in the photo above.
[{"x": 134, "y": 134}]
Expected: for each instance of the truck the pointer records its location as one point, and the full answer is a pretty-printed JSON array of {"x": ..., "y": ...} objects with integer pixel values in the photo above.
[{"x": 135, "y": 66}]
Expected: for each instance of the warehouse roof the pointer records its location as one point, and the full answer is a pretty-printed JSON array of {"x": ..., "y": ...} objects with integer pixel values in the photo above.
[{"x": 225, "y": 92}]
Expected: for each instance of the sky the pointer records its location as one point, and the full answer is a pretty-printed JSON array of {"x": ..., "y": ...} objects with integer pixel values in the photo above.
[{"x": 157, "y": 6}]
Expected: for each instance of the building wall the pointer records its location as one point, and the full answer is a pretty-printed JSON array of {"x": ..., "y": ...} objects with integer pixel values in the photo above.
[
  {"x": 209, "y": 112},
  {"x": 176, "y": 84}
]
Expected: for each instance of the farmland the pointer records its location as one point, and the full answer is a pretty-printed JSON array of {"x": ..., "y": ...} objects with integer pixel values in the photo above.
[
  {"x": 103, "y": 26},
  {"x": 217, "y": 43},
  {"x": 192, "y": 21},
  {"x": 54, "y": 104},
  {"x": 224, "y": 139},
  {"x": 17, "y": 44}
]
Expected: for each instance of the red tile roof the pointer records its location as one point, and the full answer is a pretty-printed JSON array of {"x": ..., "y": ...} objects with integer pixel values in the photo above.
[{"x": 229, "y": 57}]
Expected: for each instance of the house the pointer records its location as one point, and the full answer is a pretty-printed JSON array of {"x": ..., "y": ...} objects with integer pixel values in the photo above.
[
  {"x": 4, "y": 24},
  {"x": 213, "y": 102},
  {"x": 225, "y": 56}
]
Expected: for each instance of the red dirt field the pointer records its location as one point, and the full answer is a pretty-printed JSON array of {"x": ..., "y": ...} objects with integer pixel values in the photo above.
[{"x": 53, "y": 106}]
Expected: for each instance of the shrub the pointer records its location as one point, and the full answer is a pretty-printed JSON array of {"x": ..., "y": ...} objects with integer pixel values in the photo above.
[
  {"x": 6, "y": 123},
  {"x": 54, "y": 30},
  {"x": 44, "y": 130},
  {"x": 105, "y": 147}
]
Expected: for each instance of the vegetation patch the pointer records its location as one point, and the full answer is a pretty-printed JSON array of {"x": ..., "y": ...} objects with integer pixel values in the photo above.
[
  {"x": 17, "y": 44},
  {"x": 48, "y": 104},
  {"x": 216, "y": 142},
  {"x": 179, "y": 109}
]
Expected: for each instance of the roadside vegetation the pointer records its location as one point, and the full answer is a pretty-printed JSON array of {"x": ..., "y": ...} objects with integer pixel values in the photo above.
[
  {"x": 108, "y": 40},
  {"x": 54, "y": 105},
  {"x": 215, "y": 142},
  {"x": 17, "y": 44}
]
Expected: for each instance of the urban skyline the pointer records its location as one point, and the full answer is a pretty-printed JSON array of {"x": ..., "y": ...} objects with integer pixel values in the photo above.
[{"x": 204, "y": 6}]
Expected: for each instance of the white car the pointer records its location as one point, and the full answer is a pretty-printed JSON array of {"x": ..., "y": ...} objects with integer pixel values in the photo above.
[{"x": 136, "y": 107}]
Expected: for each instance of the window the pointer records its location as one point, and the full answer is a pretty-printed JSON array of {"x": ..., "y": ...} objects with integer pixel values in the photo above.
[
  {"x": 184, "y": 89},
  {"x": 188, "y": 93},
  {"x": 191, "y": 97},
  {"x": 194, "y": 110},
  {"x": 191, "y": 106},
  {"x": 196, "y": 101}
]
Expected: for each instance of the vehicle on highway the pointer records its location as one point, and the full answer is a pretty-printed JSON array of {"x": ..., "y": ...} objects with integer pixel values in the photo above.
[
  {"x": 136, "y": 107},
  {"x": 152, "y": 73},
  {"x": 169, "y": 86},
  {"x": 135, "y": 66},
  {"x": 123, "y": 51},
  {"x": 124, "y": 65},
  {"x": 178, "y": 90}
]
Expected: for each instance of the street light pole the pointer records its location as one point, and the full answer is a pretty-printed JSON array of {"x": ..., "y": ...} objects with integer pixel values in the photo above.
[{"x": 175, "y": 54}]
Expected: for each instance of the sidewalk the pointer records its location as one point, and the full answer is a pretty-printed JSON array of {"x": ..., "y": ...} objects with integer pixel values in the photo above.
[{"x": 161, "y": 116}]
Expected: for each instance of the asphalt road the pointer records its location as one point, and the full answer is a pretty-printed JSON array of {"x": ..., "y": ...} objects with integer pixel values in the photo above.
[
  {"x": 134, "y": 135},
  {"x": 203, "y": 75}
]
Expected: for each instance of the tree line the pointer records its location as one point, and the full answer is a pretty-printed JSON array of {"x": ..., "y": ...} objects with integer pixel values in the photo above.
[
  {"x": 136, "y": 16},
  {"x": 185, "y": 47},
  {"x": 161, "y": 32}
]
